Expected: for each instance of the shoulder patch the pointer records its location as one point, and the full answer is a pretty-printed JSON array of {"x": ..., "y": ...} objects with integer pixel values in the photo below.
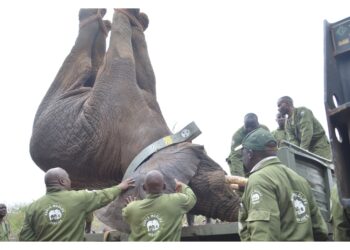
[
  {"x": 300, "y": 205},
  {"x": 255, "y": 197}
]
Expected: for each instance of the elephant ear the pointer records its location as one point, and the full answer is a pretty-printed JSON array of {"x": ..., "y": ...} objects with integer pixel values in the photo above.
[{"x": 180, "y": 161}]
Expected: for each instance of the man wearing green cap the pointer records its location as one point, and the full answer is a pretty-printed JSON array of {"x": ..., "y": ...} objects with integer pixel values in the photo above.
[
  {"x": 277, "y": 204},
  {"x": 303, "y": 129},
  {"x": 234, "y": 160}
]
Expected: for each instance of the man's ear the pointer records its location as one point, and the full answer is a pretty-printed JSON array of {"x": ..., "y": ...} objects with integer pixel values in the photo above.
[{"x": 61, "y": 181}]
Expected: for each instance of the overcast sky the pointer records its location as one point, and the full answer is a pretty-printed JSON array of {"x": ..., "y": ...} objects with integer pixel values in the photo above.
[{"x": 214, "y": 62}]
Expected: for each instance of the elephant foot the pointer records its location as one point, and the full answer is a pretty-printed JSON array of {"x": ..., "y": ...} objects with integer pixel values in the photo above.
[
  {"x": 87, "y": 16},
  {"x": 143, "y": 19},
  {"x": 136, "y": 18}
]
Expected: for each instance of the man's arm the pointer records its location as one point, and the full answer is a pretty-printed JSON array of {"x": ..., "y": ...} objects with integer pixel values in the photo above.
[
  {"x": 27, "y": 233},
  {"x": 237, "y": 139},
  {"x": 290, "y": 134},
  {"x": 262, "y": 222},
  {"x": 340, "y": 220},
  {"x": 305, "y": 128},
  {"x": 98, "y": 198},
  {"x": 319, "y": 226},
  {"x": 188, "y": 199}
]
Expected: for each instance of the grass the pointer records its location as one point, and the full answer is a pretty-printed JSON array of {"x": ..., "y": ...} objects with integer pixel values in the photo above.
[{"x": 15, "y": 217}]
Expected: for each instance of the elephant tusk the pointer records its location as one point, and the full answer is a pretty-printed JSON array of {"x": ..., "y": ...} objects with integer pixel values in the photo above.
[{"x": 239, "y": 180}]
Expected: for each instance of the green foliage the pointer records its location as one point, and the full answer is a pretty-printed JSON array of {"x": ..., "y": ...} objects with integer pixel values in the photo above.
[{"x": 15, "y": 217}]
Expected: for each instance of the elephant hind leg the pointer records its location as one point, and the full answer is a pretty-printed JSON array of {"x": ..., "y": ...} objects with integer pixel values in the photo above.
[
  {"x": 98, "y": 52},
  {"x": 78, "y": 66},
  {"x": 88, "y": 15}
]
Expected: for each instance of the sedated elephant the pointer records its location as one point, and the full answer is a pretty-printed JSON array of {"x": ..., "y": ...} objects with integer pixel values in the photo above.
[{"x": 101, "y": 111}]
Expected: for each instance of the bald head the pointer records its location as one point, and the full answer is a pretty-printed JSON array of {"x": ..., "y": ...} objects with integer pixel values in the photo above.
[
  {"x": 154, "y": 182},
  {"x": 57, "y": 178}
]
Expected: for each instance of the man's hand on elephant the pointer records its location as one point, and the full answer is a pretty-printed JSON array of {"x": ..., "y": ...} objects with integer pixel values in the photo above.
[
  {"x": 178, "y": 186},
  {"x": 130, "y": 199},
  {"x": 234, "y": 186},
  {"x": 124, "y": 185}
]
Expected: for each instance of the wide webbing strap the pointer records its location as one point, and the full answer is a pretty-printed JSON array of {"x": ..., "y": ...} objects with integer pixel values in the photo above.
[{"x": 188, "y": 133}]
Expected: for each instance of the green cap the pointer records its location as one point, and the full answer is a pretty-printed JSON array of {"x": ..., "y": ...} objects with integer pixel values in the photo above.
[{"x": 258, "y": 139}]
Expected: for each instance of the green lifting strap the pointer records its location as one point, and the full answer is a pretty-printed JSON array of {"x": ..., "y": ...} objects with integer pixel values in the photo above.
[{"x": 188, "y": 133}]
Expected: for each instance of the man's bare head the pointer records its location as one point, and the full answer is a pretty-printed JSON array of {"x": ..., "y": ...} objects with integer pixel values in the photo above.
[
  {"x": 3, "y": 211},
  {"x": 154, "y": 182},
  {"x": 285, "y": 105},
  {"x": 251, "y": 122},
  {"x": 57, "y": 178}
]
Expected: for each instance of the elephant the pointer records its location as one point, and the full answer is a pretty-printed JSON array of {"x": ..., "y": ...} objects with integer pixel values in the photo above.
[{"x": 101, "y": 110}]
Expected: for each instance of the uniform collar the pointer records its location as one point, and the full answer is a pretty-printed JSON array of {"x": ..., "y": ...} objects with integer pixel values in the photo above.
[
  {"x": 153, "y": 196},
  {"x": 263, "y": 163},
  {"x": 53, "y": 190}
]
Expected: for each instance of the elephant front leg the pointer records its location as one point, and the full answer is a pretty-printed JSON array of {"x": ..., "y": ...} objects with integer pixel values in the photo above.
[{"x": 98, "y": 51}]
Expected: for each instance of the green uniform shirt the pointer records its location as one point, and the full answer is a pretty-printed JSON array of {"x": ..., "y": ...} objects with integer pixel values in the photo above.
[
  {"x": 4, "y": 231},
  {"x": 279, "y": 134},
  {"x": 305, "y": 131},
  {"x": 340, "y": 218},
  {"x": 158, "y": 217},
  {"x": 234, "y": 160},
  {"x": 60, "y": 215},
  {"x": 277, "y": 205}
]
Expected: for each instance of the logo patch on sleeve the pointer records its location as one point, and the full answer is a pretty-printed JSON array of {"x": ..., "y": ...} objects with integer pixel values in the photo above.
[
  {"x": 255, "y": 197},
  {"x": 300, "y": 205}
]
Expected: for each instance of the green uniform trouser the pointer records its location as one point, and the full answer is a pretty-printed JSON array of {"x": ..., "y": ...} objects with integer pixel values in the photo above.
[{"x": 340, "y": 218}]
